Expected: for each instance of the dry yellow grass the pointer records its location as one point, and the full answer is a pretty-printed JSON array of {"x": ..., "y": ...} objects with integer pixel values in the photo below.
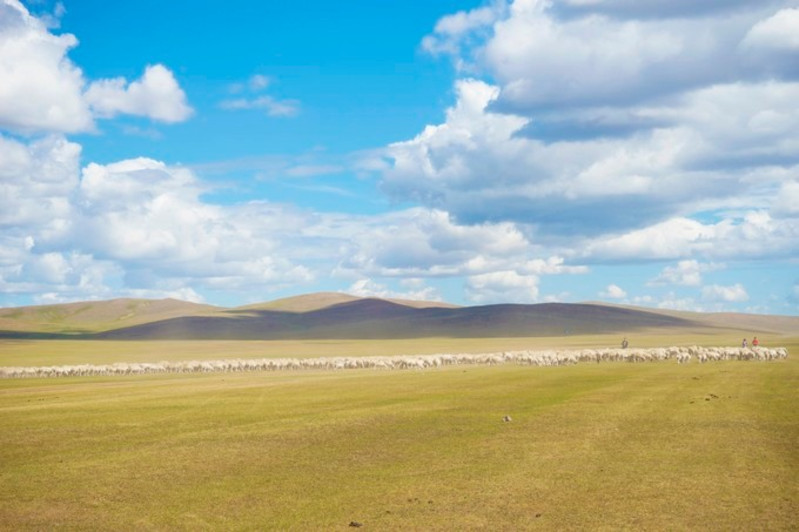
[
  {"x": 94, "y": 316},
  {"x": 608, "y": 446},
  {"x": 59, "y": 352}
]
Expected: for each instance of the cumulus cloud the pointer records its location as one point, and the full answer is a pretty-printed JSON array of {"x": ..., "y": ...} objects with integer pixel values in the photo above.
[
  {"x": 777, "y": 32},
  {"x": 476, "y": 166},
  {"x": 684, "y": 273},
  {"x": 674, "y": 302},
  {"x": 151, "y": 218},
  {"x": 502, "y": 287},
  {"x": 141, "y": 226},
  {"x": 452, "y": 30},
  {"x": 41, "y": 89},
  {"x": 728, "y": 294},
  {"x": 156, "y": 95},
  {"x": 747, "y": 235},
  {"x": 612, "y": 131},
  {"x": 609, "y": 124},
  {"x": 36, "y": 181},
  {"x": 137, "y": 224},
  {"x": 613, "y": 291},
  {"x": 428, "y": 243},
  {"x": 787, "y": 200},
  {"x": 44, "y": 91},
  {"x": 560, "y": 54},
  {"x": 412, "y": 289}
]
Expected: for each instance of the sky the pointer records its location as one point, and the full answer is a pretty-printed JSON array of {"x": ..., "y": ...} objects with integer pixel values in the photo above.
[{"x": 639, "y": 152}]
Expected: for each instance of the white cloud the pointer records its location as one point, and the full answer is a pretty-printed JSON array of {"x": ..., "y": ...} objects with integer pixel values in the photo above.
[
  {"x": 728, "y": 294},
  {"x": 57, "y": 276},
  {"x": 548, "y": 54},
  {"x": 155, "y": 95},
  {"x": 36, "y": 181},
  {"x": 44, "y": 91},
  {"x": 413, "y": 289},
  {"x": 259, "y": 82},
  {"x": 464, "y": 21},
  {"x": 502, "y": 287},
  {"x": 256, "y": 83},
  {"x": 779, "y": 31},
  {"x": 308, "y": 170},
  {"x": 446, "y": 165},
  {"x": 674, "y": 302},
  {"x": 141, "y": 225},
  {"x": 552, "y": 266},
  {"x": 542, "y": 60},
  {"x": 451, "y": 30},
  {"x": 684, "y": 273},
  {"x": 614, "y": 127},
  {"x": 137, "y": 224},
  {"x": 479, "y": 166},
  {"x": 422, "y": 243},
  {"x": 787, "y": 200},
  {"x": 272, "y": 106},
  {"x": 629, "y": 198},
  {"x": 41, "y": 89},
  {"x": 613, "y": 291},
  {"x": 747, "y": 235}
]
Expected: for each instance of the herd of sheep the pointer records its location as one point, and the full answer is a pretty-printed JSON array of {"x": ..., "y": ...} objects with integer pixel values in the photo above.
[{"x": 682, "y": 355}]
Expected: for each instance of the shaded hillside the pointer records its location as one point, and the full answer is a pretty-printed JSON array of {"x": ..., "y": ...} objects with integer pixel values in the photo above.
[{"x": 374, "y": 318}]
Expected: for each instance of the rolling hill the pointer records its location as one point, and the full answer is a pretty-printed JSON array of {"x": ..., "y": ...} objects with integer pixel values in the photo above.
[
  {"x": 320, "y": 300},
  {"x": 342, "y": 316}
]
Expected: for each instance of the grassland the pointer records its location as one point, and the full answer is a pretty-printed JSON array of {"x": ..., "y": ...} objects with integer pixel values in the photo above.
[
  {"x": 606, "y": 446},
  {"x": 59, "y": 352}
]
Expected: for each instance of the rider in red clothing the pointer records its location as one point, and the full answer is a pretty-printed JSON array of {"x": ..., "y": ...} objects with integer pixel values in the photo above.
[{"x": 755, "y": 342}]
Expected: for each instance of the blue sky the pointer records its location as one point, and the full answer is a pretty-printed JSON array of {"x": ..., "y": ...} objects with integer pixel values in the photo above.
[{"x": 634, "y": 152}]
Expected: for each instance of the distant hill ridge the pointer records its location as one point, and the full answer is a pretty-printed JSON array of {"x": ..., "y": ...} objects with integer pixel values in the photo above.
[
  {"x": 377, "y": 318},
  {"x": 342, "y": 316}
]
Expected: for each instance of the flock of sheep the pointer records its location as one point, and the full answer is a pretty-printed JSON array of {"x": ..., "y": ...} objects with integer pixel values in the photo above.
[{"x": 532, "y": 358}]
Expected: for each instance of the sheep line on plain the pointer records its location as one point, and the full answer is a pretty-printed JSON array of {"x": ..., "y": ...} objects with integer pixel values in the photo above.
[{"x": 682, "y": 355}]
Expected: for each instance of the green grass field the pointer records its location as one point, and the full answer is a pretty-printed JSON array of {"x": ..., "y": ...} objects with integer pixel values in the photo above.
[{"x": 606, "y": 446}]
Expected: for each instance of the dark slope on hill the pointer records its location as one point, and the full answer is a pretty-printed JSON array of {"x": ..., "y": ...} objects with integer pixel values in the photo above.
[{"x": 375, "y": 318}]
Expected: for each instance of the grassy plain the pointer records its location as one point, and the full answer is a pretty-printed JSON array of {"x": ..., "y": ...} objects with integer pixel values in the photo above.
[
  {"x": 25, "y": 352},
  {"x": 608, "y": 446}
]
